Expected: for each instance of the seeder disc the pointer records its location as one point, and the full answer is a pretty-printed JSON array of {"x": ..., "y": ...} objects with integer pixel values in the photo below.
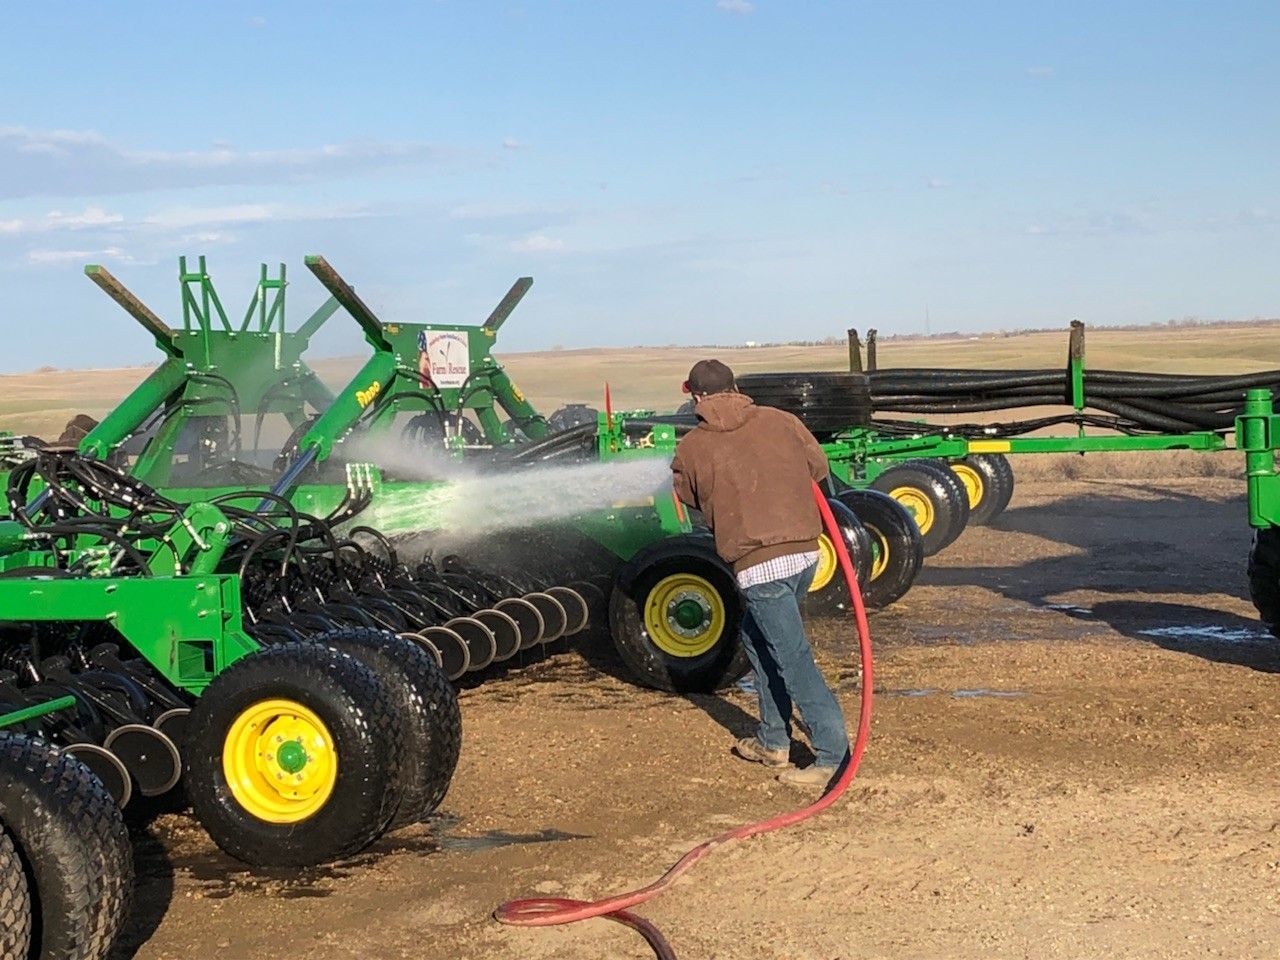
[
  {"x": 575, "y": 608},
  {"x": 554, "y": 618},
  {"x": 106, "y": 766},
  {"x": 526, "y": 616},
  {"x": 480, "y": 641},
  {"x": 426, "y": 644},
  {"x": 173, "y": 723},
  {"x": 149, "y": 756},
  {"x": 455, "y": 658},
  {"x": 506, "y": 633}
]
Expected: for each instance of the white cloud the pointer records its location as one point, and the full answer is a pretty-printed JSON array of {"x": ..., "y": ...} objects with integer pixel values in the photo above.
[
  {"x": 57, "y": 220},
  {"x": 1041, "y": 71},
  {"x": 740, "y": 7},
  {"x": 175, "y": 218},
  {"x": 937, "y": 183},
  {"x": 47, "y": 257},
  {"x": 185, "y": 218},
  {"x": 511, "y": 143},
  {"x": 84, "y": 163},
  {"x": 537, "y": 243}
]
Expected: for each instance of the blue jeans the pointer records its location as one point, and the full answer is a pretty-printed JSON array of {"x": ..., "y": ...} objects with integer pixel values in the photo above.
[{"x": 775, "y": 642}]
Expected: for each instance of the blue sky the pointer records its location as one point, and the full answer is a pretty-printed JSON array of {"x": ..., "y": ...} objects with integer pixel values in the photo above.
[{"x": 669, "y": 172}]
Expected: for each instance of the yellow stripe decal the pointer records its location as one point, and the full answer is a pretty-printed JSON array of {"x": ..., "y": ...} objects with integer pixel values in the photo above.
[{"x": 989, "y": 446}]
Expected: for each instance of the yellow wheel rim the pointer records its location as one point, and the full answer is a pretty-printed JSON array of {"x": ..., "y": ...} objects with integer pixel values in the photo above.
[
  {"x": 918, "y": 503},
  {"x": 684, "y": 615},
  {"x": 879, "y": 550},
  {"x": 279, "y": 761},
  {"x": 828, "y": 561},
  {"x": 972, "y": 480}
]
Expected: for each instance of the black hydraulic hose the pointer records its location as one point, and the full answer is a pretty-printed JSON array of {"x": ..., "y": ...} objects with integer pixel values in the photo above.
[
  {"x": 1199, "y": 418},
  {"x": 972, "y": 406},
  {"x": 581, "y": 435},
  {"x": 1151, "y": 420}
]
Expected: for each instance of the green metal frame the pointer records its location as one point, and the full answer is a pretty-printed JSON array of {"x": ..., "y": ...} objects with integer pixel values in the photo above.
[{"x": 182, "y": 617}]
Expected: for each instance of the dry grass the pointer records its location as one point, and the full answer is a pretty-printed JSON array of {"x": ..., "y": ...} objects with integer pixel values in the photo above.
[{"x": 42, "y": 402}]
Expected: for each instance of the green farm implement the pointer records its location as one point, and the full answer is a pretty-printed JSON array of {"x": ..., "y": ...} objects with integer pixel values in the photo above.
[
  {"x": 947, "y": 474},
  {"x": 234, "y": 417}
]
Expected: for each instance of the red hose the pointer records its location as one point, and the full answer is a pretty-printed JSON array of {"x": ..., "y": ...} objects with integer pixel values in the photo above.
[{"x": 551, "y": 911}]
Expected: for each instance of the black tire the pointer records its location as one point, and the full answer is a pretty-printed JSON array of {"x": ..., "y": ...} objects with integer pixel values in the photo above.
[
  {"x": 428, "y": 707},
  {"x": 896, "y": 541},
  {"x": 360, "y": 717},
  {"x": 570, "y": 416},
  {"x": 15, "y": 903},
  {"x": 825, "y": 402},
  {"x": 932, "y": 495},
  {"x": 72, "y": 842},
  {"x": 720, "y": 659},
  {"x": 1004, "y": 470},
  {"x": 829, "y": 595},
  {"x": 988, "y": 482},
  {"x": 1264, "y": 577},
  {"x": 959, "y": 495}
]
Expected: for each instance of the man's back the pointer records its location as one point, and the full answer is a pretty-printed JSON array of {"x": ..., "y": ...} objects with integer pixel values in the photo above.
[{"x": 749, "y": 469}]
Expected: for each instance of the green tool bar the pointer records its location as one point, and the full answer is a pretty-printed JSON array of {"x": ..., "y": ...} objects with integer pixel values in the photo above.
[
  {"x": 39, "y": 710},
  {"x": 147, "y": 397},
  {"x": 349, "y": 405},
  {"x": 940, "y": 446}
]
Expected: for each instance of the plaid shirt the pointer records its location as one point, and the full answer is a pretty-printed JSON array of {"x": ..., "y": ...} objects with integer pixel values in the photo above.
[{"x": 779, "y": 568}]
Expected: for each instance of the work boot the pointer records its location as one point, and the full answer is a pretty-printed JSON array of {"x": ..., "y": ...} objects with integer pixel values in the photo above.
[
  {"x": 750, "y": 748},
  {"x": 811, "y": 776}
]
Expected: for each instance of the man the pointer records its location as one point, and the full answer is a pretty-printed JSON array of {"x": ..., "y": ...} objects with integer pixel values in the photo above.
[{"x": 749, "y": 470}]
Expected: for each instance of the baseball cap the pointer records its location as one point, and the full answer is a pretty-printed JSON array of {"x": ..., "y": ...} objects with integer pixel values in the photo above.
[{"x": 708, "y": 376}]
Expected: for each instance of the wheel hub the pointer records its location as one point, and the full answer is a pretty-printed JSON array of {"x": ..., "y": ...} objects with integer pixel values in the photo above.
[
  {"x": 684, "y": 615},
  {"x": 280, "y": 761},
  {"x": 689, "y": 614}
]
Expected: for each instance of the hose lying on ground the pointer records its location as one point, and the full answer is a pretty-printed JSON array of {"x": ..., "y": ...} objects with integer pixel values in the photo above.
[{"x": 552, "y": 911}]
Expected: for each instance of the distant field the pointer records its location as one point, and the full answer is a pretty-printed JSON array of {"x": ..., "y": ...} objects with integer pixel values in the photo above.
[{"x": 42, "y": 402}]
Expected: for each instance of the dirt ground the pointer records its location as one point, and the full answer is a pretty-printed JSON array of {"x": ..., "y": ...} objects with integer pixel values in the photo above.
[{"x": 1073, "y": 755}]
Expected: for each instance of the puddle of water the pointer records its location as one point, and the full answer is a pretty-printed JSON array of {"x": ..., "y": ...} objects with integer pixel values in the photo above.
[
  {"x": 499, "y": 838},
  {"x": 1209, "y": 633},
  {"x": 220, "y": 877},
  {"x": 915, "y": 692},
  {"x": 1070, "y": 609},
  {"x": 962, "y": 694},
  {"x": 984, "y": 692}
]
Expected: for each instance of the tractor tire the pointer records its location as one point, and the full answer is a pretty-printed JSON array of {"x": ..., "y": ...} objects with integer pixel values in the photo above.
[
  {"x": 1004, "y": 471},
  {"x": 988, "y": 482},
  {"x": 428, "y": 706},
  {"x": 981, "y": 488},
  {"x": 960, "y": 496},
  {"x": 824, "y": 402},
  {"x": 570, "y": 416},
  {"x": 1264, "y": 577},
  {"x": 72, "y": 842},
  {"x": 934, "y": 498},
  {"x": 678, "y": 576},
  {"x": 15, "y": 903},
  {"x": 896, "y": 543},
  {"x": 829, "y": 594},
  {"x": 348, "y": 730}
]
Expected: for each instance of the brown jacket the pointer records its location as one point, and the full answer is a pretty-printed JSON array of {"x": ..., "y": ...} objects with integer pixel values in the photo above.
[{"x": 749, "y": 470}]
